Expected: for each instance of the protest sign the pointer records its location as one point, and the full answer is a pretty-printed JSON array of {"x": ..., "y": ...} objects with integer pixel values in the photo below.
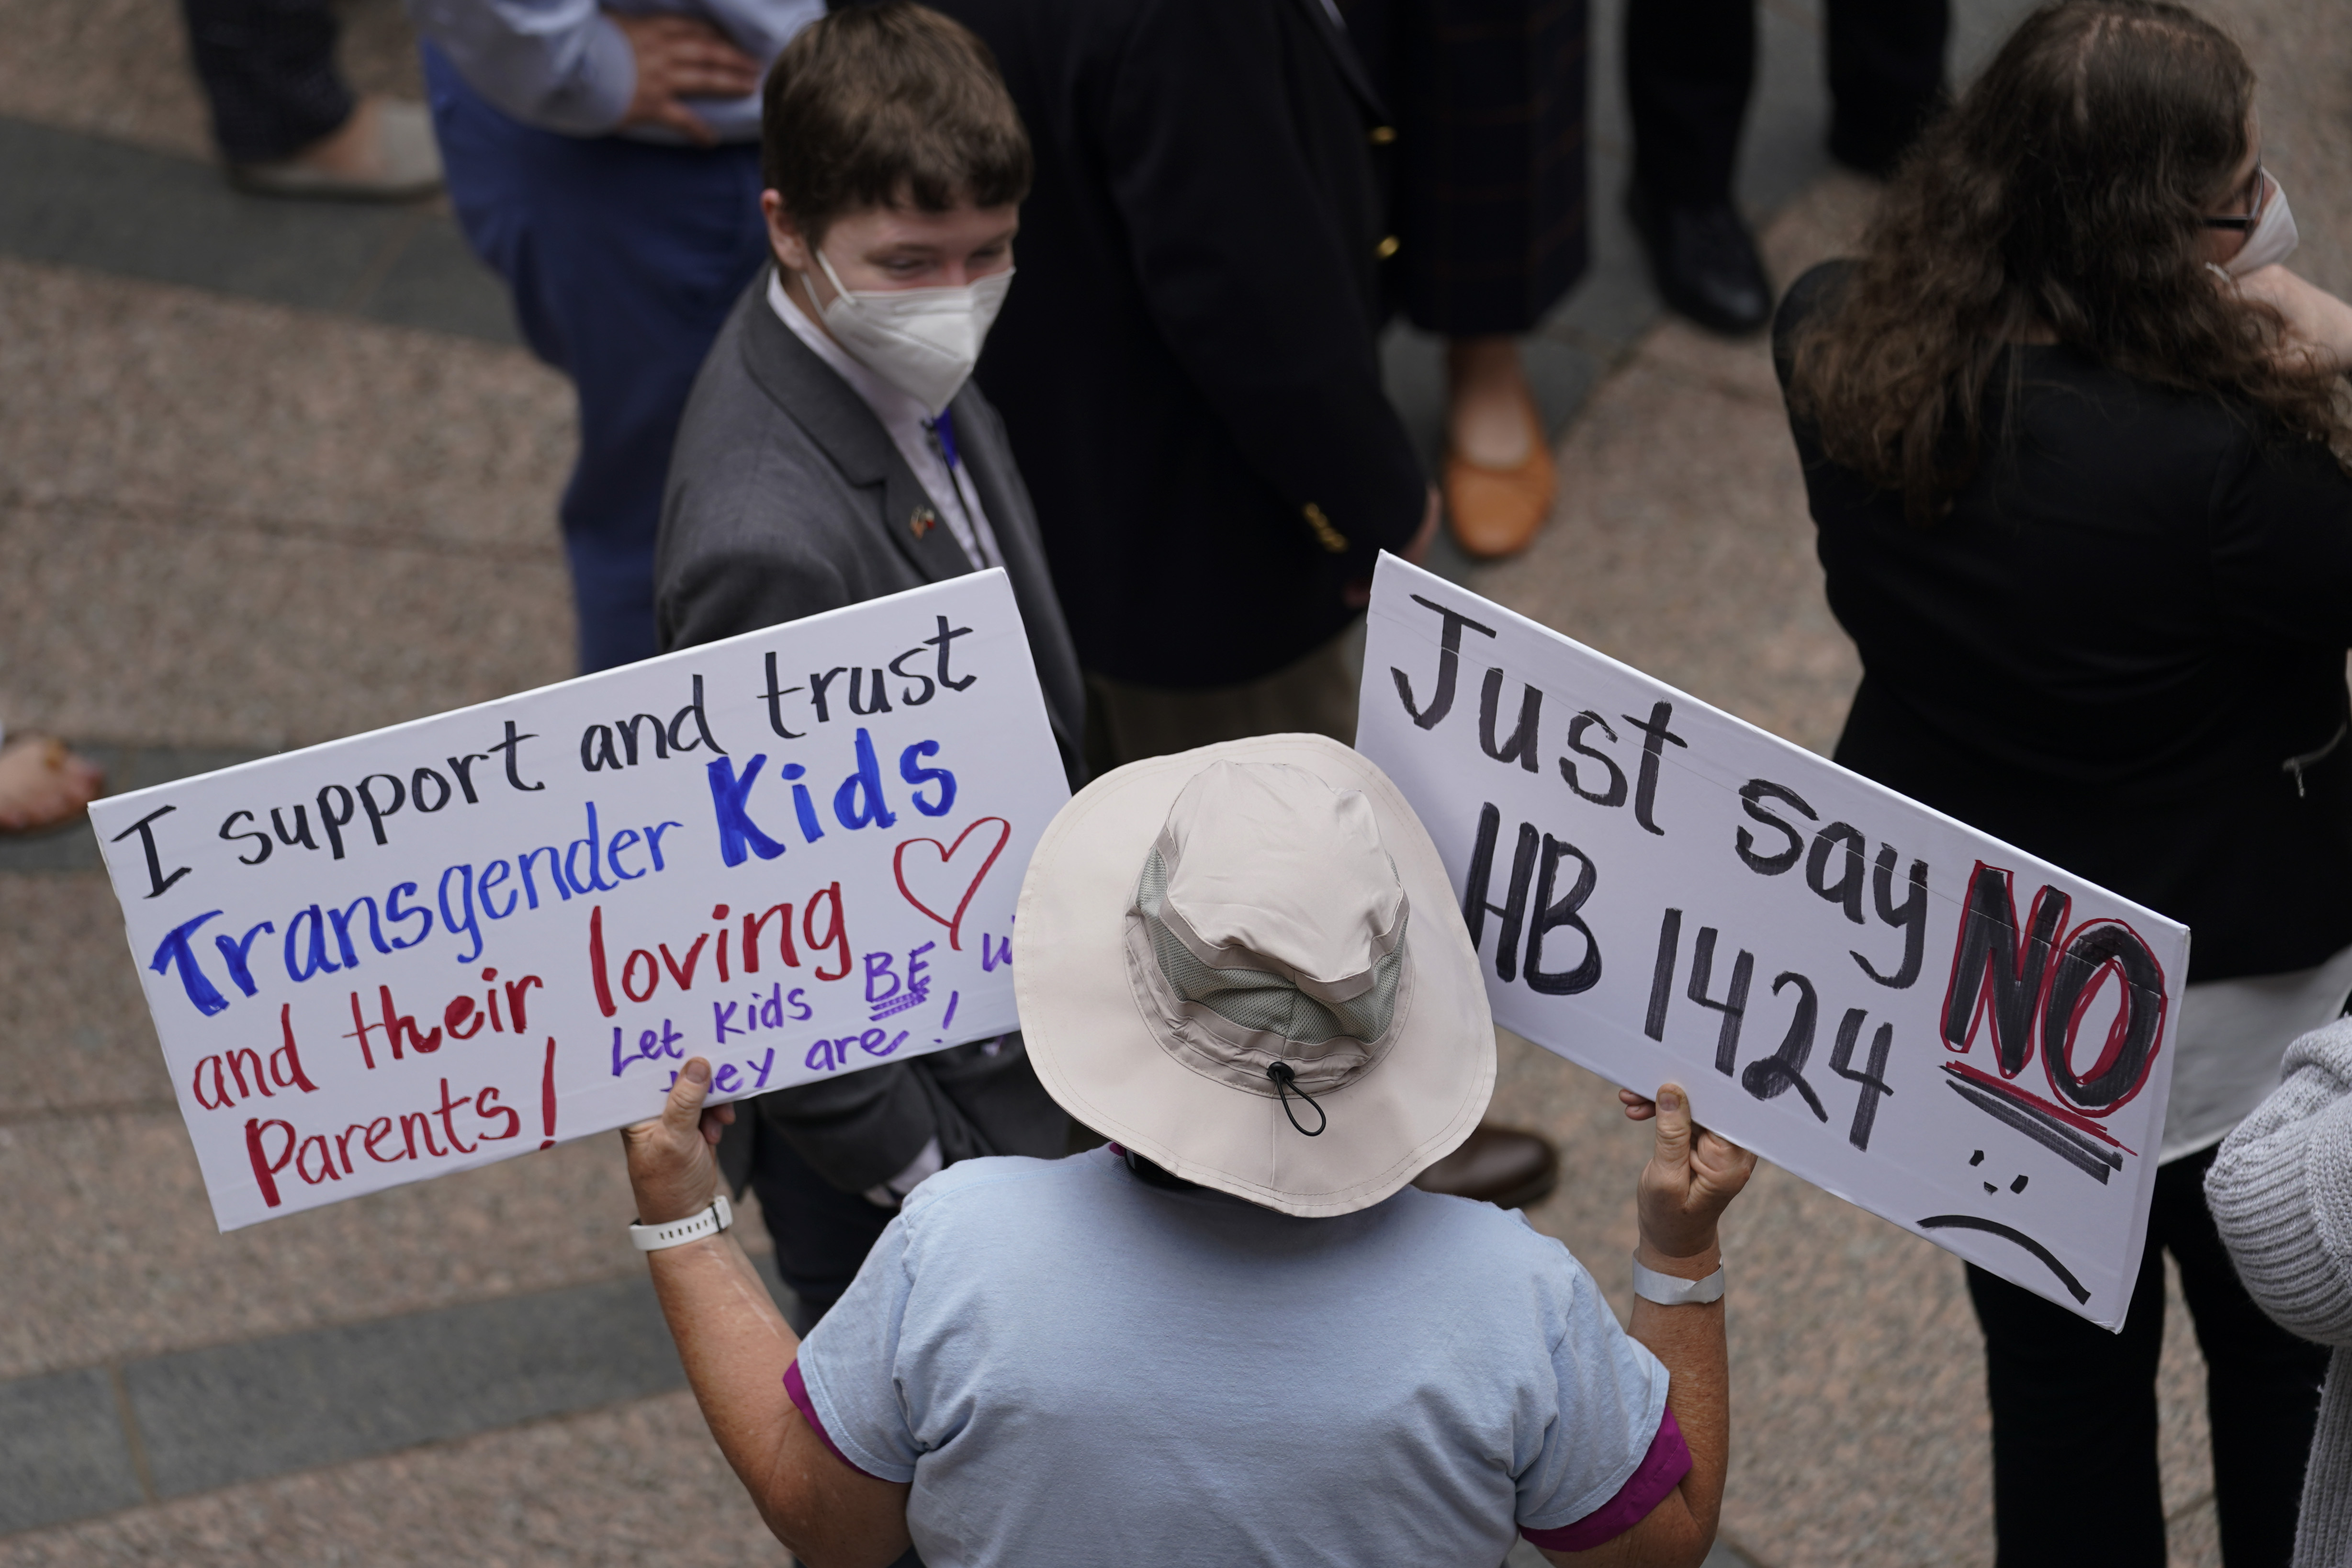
[
  {"x": 796, "y": 853},
  {"x": 1841, "y": 977}
]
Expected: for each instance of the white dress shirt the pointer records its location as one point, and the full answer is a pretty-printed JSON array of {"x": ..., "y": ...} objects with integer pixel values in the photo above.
[
  {"x": 909, "y": 423},
  {"x": 2234, "y": 1036}
]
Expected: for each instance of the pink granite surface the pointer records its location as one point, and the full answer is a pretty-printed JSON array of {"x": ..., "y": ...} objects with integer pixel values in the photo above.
[
  {"x": 228, "y": 523},
  {"x": 638, "y": 1487},
  {"x": 203, "y": 412},
  {"x": 71, "y": 1014},
  {"x": 232, "y": 523},
  {"x": 119, "y": 69}
]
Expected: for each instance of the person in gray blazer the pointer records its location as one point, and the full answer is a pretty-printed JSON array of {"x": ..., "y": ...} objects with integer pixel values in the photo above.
[{"x": 834, "y": 451}]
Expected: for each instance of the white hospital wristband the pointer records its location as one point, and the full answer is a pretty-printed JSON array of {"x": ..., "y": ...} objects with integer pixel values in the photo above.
[
  {"x": 679, "y": 1232},
  {"x": 1672, "y": 1290}
]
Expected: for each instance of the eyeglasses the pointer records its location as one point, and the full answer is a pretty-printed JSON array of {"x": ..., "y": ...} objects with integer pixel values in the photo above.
[{"x": 2245, "y": 224}]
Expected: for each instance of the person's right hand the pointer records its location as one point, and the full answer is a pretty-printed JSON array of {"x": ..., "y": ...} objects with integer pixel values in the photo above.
[
  {"x": 1692, "y": 1176},
  {"x": 682, "y": 57},
  {"x": 2317, "y": 323},
  {"x": 673, "y": 1158}
]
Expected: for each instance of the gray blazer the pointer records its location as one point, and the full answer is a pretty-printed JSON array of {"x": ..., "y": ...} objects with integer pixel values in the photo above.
[{"x": 786, "y": 498}]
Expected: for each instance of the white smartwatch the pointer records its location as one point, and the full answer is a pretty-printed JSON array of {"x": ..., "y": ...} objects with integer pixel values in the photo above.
[
  {"x": 679, "y": 1232},
  {"x": 1672, "y": 1291}
]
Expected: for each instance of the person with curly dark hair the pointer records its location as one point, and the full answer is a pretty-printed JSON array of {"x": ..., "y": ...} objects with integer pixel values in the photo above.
[{"x": 2075, "y": 442}]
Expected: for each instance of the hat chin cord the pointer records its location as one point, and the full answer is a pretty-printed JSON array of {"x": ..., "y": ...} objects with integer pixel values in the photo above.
[{"x": 1286, "y": 1084}]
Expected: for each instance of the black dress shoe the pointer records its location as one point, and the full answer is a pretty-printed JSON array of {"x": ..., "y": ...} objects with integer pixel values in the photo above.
[
  {"x": 1703, "y": 262},
  {"x": 1496, "y": 1165},
  {"x": 1875, "y": 157}
]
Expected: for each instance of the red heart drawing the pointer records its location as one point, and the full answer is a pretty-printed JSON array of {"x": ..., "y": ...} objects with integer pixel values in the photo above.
[{"x": 947, "y": 853}]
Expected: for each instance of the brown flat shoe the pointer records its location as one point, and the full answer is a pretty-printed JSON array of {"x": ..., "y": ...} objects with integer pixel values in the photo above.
[
  {"x": 1498, "y": 512},
  {"x": 1498, "y": 1165}
]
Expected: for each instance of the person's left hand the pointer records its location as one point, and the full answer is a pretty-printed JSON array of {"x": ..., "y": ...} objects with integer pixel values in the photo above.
[
  {"x": 673, "y": 1169},
  {"x": 1692, "y": 1175},
  {"x": 2318, "y": 324}
]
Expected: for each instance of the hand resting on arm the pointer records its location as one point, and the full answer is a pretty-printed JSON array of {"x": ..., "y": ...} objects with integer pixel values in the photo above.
[
  {"x": 2318, "y": 324},
  {"x": 679, "y": 57}
]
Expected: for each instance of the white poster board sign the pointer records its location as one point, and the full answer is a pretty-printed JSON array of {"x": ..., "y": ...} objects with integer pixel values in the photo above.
[
  {"x": 1951, "y": 1033},
  {"x": 796, "y": 853}
]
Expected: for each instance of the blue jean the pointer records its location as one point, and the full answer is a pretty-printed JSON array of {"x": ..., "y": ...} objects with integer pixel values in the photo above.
[{"x": 623, "y": 258}]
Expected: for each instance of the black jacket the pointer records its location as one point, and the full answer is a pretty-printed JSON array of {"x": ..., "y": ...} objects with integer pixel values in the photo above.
[
  {"x": 2122, "y": 651},
  {"x": 1187, "y": 361}
]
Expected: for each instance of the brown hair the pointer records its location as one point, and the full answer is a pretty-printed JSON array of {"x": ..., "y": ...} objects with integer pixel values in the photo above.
[
  {"x": 889, "y": 105},
  {"x": 2063, "y": 192}
]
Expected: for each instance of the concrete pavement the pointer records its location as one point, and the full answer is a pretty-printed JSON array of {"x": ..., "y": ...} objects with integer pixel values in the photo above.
[{"x": 272, "y": 474}]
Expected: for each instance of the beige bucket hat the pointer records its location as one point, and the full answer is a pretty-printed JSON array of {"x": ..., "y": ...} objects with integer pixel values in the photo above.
[{"x": 1244, "y": 963}]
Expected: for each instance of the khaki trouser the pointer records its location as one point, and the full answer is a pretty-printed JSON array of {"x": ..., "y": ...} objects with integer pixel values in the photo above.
[{"x": 1317, "y": 695}]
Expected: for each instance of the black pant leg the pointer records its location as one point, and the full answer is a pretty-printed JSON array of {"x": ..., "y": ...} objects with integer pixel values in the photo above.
[
  {"x": 1689, "y": 65},
  {"x": 1887, "y": 74},
  {"x": 269, "y": 68},
  {"x": 2263, "y": 1384},
  {"x": 822, "y": 1234},
  {"x": 2073, "y": 1426},
  {"x": 1488, "y": 172}
]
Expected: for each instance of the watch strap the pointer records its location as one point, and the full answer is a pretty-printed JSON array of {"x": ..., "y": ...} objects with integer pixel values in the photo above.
[
  {"x": 679, "y": 1232},
  {"x": 1672, "y": 1291}
]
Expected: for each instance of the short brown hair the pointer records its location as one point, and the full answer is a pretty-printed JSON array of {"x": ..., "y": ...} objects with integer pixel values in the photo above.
[{"x": 889, "y": 105}]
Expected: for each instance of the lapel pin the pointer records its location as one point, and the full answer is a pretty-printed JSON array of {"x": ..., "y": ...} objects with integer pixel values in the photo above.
[{"x": 922, "y": 521}]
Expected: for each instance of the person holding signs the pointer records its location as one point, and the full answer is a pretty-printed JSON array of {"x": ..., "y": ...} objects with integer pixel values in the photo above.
[
  {"x": 833, "y": 451},
  {"x": 2071, "y": 436},
  {"x": 1237, "y": 1334}
]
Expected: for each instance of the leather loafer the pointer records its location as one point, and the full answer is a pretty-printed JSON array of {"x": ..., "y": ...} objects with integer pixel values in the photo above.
[
  {"x": 1705, "y": 262},
  {"x": 1495, "y": 512},
  {"x": 1498, "y": 1165}
]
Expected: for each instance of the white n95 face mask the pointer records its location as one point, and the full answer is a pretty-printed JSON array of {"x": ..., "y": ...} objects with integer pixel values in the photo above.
[
  {"x": 2272, "y": 240},
  {"x": 924, "y": 341}
]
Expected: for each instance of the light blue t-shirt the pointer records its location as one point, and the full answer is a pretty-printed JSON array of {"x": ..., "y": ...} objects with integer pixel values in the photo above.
[{"x": 1076, "y": 1368}]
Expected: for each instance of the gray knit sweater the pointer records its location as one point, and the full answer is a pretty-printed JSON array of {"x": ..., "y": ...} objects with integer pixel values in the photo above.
[{"x": 2282, "y": 1194}]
